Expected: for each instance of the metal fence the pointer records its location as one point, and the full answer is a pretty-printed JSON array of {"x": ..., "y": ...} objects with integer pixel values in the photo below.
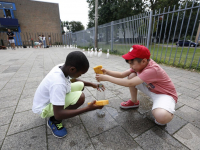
[{"x": 159, "y": 30}]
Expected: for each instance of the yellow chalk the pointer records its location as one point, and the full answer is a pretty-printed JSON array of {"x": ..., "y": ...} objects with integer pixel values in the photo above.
[
  {"x": 98, "y": 70},
  {"x": 101, "y": 102}
]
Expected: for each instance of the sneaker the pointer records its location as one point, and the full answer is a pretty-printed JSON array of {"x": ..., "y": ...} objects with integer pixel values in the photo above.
[
  {"x": 57, "y": 129},
  {"x": 129, "y": 104}
]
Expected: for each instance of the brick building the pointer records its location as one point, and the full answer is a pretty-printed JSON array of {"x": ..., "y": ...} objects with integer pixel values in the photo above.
[{"x": 29, "y": 18}]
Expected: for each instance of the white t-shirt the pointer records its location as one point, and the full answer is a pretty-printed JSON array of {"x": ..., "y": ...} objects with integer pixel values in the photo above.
[{"x": 52, "y": 89}]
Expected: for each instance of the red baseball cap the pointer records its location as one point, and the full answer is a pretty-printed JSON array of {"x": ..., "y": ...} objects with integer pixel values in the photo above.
[{"x": 138, "y": 51}]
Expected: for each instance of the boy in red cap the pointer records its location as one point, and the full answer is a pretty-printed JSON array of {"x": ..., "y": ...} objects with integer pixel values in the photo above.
[{"x": 148, "y": 77}]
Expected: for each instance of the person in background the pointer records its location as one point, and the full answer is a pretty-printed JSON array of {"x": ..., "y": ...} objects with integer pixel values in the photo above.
[
  {"x": 50, "y": 41},
  {"x": 10, "y": 37},
  {"x": 44, "y": 41},
  {"x": 4, "y": 16}
]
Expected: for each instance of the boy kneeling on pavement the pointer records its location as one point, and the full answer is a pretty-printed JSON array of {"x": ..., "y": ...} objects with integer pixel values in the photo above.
[
  {"x": 56, "y": 97},
  {"x": 148, "y": 77}
]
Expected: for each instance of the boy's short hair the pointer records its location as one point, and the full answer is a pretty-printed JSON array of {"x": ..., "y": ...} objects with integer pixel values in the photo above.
[
  {"x": 137, "y": 59},
  {"x": 78, "y": 60}
]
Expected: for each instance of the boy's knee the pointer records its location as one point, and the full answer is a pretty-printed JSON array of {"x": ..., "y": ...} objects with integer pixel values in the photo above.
[
  {"x": 132, "y": 75},
  {"x": 162, "y": 116}
]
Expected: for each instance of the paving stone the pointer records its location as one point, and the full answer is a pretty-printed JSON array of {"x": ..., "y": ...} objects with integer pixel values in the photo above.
[
  {"x": 6, "y": 115},
  {"x": 123, "y": 93},
  {"x": 190, "y": 102},
  {"x": 13, "y": 92},
  {"x": 157, "y": 139},
  {"x": 9, "y": 101},
  {"x": 3, "y": 130},
  {"x": 190, "y": 86},
  {"x": 188, "y": 92},
  {"x": 24, "y": 104},
  {"x": 178, "y": 105},
  {"x": 198, "y": 98},
  {"x": 29, "y": 93},
  {"x": 86, "y": 92},
  {"x": 189, "y": 114},
  {"x": 77, "y": 139},
  {"x": 18, "y": 79},
  {"x": 35, "y": 79},
  {"x": 174, "y": 125},
  {"x": 134, "y": 123},
  {"x": 115, "y": 103},
  {"x": 11, "y": 69},
  {"x": 95, "y": 125},
  {"x": 33, "y": 139},
  {"x": 14, "y": 85},
  {"x": 24, "y": 121},
  {"x": 116, "y": 139},
  {"x": 145, "y": 104},
  {"x": 31, "y": 85},
  {"x": 189, "y": 135}
]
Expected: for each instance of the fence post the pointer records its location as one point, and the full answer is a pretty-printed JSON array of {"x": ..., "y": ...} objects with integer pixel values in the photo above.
[
  {"x": 149, "y": 30},
  {"x": 112, "y": 23},
  {"x": 93, "y": 36}
]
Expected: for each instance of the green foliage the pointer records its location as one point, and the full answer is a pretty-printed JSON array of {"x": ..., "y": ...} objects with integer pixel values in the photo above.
[{"x": 72, "y": 26}]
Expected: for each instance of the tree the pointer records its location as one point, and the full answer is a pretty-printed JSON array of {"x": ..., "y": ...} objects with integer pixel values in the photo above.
[
  {"x": 72, "y": 26},
  {"x": 110, "y": 10}
]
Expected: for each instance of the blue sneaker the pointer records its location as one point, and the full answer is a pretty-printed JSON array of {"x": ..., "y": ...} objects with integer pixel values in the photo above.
[{"x": 57, "y": 129}]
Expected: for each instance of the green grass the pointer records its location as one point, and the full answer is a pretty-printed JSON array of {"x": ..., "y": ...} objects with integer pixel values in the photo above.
[{"x": 173, "y": 55}]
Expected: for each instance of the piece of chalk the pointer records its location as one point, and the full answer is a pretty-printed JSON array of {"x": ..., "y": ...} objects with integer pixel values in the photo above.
[
  {"x": 98, "y": 70},
  {"x": 101, "y": 102}
]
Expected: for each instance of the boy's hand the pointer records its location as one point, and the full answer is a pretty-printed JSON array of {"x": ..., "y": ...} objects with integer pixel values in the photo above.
[
  {"x": 92, "y": 106},
  {"x": 104, "y": 71},
  {"x": 96, "y": 86},
  {"x": 101, "y": 77}
]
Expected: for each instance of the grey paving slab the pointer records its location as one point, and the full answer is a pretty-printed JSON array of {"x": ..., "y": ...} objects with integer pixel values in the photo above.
[
  {"x": 3, "y": 130},
  {"x": 174, "y": 125},
  {"x": 134, "y": 123},
  {"x": 116, "y": 139},
  {"x": 188, "y": 92},
  {"x": 13, "y": 92},
  {"x": 95, "y": 125},
  {"x": 28, "y": 93},
  {"x": 77, "y": 139},
  {"x": 194, "y": 103},
  {"x": 24, "y": 105},
  {"x": 11, "y": 69},
  {"x": 145, "y": 104},
  {"x": 189, "y": 135},
  {"x": 24, "y": 121},
  {"x": 9, "y": 101},
  {"x": 189, "y": 114},
  {"x": 178, "y": 105},
  {"x": 14, "y": 85},
  {"x": 33, "y": 139},
  {"x": 115, "y": 103},
  {"x": 6, "y": 115},
  {"x": 157, "y": 139}
]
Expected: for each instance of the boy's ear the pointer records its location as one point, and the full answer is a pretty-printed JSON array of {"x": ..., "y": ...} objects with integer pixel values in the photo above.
[{"x": 72, "y": 69}]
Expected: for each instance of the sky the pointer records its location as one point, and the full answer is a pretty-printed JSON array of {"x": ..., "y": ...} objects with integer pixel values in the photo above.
[{"x": 72, "y": 10}]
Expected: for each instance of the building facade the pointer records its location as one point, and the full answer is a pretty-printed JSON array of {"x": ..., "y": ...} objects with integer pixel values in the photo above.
[{"x": 29, "y": 18}]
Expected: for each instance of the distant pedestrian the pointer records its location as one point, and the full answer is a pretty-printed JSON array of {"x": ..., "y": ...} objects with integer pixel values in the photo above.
[
  {"x": 50, "y": 41},
  {"x": 44, "y": 41},
  {"x": 10, "y": 37}
]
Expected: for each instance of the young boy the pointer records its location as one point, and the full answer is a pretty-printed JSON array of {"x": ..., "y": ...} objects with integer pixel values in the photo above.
[
  {"x": 148, "y": 77},
  {"x": 56, "y": 97}
]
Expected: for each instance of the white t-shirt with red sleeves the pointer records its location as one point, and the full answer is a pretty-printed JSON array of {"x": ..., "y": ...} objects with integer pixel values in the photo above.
[{"x": 157, "y": 80}]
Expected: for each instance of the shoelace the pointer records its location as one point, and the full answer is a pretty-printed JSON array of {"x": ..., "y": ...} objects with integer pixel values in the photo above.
[{"x": 59, "y": 126}]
